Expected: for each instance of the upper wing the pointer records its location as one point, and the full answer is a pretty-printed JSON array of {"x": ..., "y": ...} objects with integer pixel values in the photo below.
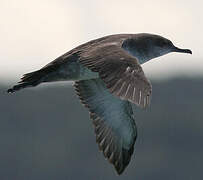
[
  {"x": 120, "y": 71},
  {"x": 113, "y": 121}
]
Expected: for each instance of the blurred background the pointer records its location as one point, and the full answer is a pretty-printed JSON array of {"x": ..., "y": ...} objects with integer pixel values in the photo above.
[{"x": 46, "y": 134}]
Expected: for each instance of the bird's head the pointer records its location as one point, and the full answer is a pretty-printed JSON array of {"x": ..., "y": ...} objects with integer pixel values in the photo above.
[{"x": 149, "y": 46}]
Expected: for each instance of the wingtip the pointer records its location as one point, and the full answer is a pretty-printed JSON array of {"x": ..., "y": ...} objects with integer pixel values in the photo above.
[{"x": 119, "y": 171}]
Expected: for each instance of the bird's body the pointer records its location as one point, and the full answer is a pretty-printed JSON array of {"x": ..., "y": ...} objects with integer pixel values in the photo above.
[{"x": 108, "y": 78}]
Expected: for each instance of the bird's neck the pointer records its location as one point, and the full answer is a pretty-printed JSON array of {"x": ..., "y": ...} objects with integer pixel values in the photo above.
[
  {"x": 144, "y": 55},
  {"x": 144, "y": 52}
]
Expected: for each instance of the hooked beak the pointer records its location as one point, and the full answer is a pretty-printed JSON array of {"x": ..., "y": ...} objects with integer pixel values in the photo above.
[{"x": 176, "y": 49}]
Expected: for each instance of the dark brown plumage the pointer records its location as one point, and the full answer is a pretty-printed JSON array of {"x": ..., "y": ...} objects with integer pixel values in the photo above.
[
  {"x": 120, "y": 71},
  {"x": 108, "y": 78}
]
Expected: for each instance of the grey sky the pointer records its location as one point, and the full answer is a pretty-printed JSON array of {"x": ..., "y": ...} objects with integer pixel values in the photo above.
[{"x": 33, "y": 33}]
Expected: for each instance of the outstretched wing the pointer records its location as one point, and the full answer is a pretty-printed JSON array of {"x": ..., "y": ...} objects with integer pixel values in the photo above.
[
  {"x": 112, "y": 117},
  {"x": 120, "y": 71}
]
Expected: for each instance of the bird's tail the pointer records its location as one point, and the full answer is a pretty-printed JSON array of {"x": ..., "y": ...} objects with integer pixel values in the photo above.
[{"x": 28, "y": 80}]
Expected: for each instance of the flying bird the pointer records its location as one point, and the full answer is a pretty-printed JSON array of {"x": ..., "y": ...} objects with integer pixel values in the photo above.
[{"x": 108, "y": 77}]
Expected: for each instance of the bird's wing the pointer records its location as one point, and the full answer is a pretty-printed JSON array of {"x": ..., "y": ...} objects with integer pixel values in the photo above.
[
  {"x": 113, "y": 121},
  {"x": 120, "y": 71}
]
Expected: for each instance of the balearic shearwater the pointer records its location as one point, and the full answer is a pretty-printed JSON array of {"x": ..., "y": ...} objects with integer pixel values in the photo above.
[{"x": 108, "y": 78}]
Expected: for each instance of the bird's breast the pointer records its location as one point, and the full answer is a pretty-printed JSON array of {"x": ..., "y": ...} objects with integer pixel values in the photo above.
[
  {"x": 74, "y": 71},
  {"x": 85, "y": 73}
]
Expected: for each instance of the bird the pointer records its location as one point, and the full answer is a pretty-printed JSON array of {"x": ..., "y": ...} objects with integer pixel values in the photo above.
[{"x": 108, "y": 79}]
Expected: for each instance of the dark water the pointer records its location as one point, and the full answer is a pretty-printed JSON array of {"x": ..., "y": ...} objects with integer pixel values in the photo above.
[{"x": 46, "y": 134}]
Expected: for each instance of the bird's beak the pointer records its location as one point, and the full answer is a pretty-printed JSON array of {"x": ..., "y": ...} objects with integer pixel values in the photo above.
[{"x": 176, "y": 49}]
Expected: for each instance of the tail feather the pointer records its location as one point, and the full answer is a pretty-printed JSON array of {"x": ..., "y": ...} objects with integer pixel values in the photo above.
[{"x": 28, "y": 80}]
